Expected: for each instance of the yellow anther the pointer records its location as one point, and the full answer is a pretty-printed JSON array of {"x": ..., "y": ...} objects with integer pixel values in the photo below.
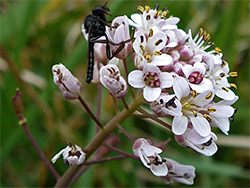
[
  {"x": 147, "y": 8},
  {"x": 224, "y": 63},
  {"x": 211, "y": 109},
  {"x": 217, "y": 49},
  {"x": 140, "y": 9},
  {"x": 233, "y": 85},
  {"x": 222, "y": 74},
  {"x": 150, "y": 33},
  {"x": 148, "y": 57},
  {"x": 159, "y": 13},
  {"x": 225, "y": 89},
  {"x": 207, "y": 37},
  {"x": 158, "y": 42},
  {"x": 157, "y": 53},
  {"x": 209, "y": 96},
  {"x": 195, "y": 113},
  {"x": 164, "y": 13},
  {"x": 208, "y": 117},
  {"x": 194, "y": 93},
  {"x": 186, "y": 105},
  {"x": 171, "y": 16},
  {"x": 201, "y": 32},
  {"x": 233, "y": 74},
  {"x": 142, "y": 48},
  {"x": 156, "y": 14}
]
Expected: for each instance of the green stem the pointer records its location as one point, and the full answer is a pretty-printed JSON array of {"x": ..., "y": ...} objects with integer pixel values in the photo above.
[{"x": 99, "y": 138}]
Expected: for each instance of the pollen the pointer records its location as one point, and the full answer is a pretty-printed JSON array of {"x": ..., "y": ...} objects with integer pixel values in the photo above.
[
  {"x": 233, "y": 74},
  {"x": 208, "y": 117},
  {"x": 233, "y": 85},
  {"x": 211, "y": 109},
  {"x": 209, "y": 96}
]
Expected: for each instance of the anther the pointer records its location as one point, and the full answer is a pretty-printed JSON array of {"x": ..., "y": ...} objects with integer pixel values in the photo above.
[
  {"x": 147, "y": 8},
  {"x": 148, "y": 57},
  {"x": 222, "y": 74},
  {"x": 195, "y": 113},
  {"x": 224, "y": 63},
  {"x": 157, "y": 53},
  {"x": 211, "y": 109},
  {"x": 142, "y": 48},
  {"x": 218, "y": 50},
  {"x": 233, "y": 85},
  {"x": 209, "y": 96},
  {"x": 194, "y": 93},
  {"x": 150, "y": 33},
  {"x": 233, "y": 74},
  {"x": 158, "y": 42},
  {"x": 140, "y": 9},
  {"x": 156, "y": 6},
  {"x": 208, "y": 117},
  {"x": 225, "y": 89},
  {"x": 148, "y": 17},
  {"x": 142, "y": 39},
  {"x": 200, "y": 32},
  {"x": 186, "y": 104},
  {"x": 210, "y": 43}
]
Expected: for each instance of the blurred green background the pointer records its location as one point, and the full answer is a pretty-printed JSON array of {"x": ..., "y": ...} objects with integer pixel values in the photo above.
[{"x": 35, "y": 35}]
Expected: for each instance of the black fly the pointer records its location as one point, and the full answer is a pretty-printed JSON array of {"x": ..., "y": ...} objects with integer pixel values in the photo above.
[{"x": 95, "y": 25}]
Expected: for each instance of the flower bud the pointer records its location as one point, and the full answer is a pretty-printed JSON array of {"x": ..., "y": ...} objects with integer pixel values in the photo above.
[
  {"x": 17, "y": 102},
  {"x": 67, "y": 83},
  {"x": 72, "y": 155},
  {"x": 111, "y": 79},
  {"x": 118, "y": 33},
  {"x": 186, "y": 52}
]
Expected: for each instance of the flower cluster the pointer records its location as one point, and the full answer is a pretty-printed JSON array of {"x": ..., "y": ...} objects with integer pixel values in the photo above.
[{"x": 180, "y": 78}]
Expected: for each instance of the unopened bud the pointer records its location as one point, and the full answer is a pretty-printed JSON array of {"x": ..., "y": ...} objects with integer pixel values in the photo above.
[
  {"x": 67, "y": 83},
  {"x": 17, "y": 102}
]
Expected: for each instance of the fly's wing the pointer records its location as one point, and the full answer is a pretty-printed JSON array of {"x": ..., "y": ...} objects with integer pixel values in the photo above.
[{"x": 90, "y": 66}]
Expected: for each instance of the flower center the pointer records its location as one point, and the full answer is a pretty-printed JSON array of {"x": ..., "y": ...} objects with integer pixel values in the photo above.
[
  {"x": 152, "y": 79},
  {"x": 196, "y": 77}
]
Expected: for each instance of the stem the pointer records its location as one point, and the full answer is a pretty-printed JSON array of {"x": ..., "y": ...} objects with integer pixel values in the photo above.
[
  {"x": 124, "y": 103},
  {"x": 99, "y": 101},
  {"x": 154, "y": 118},
  {"x": 84, "y": 104},
  {"x": 39, "y": 151},
  {"x": 115, "y": 104},
  {"x": 126, "y": 133},
  {"x": 99, "y": 138},
  {"x": 121, "y": 152},
  {"x": 126, "y": 71}
]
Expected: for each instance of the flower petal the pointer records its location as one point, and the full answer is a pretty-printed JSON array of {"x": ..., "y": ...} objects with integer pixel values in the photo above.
[
  {"x": 201, "y": 125},
  {"x": 135, "y": 79},
  {"x": 159, "y": 170},
  {"x": 179, "y": 125},
  {"x": 166, "y": 79},
  {"x": 162, "y": 60},
  {"x": 181, "y": 87},
  {"x": 151, "y": 94}
]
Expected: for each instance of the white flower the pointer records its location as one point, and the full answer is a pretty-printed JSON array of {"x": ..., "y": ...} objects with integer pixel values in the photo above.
[
  {"x": 152, "y": 80},
  {"x": 202, "y": 144},
  {"x": 179, "y": 173},
  {"x": 148, "y": 49},
  {"x": 111, "y": 79},
  {"x": 195, "y": 76},
  {"x": 149, "y": 18},
  {"x": 149, "y": 156},
  {"x": 192, "y": 109},
  {"x": 72, "y": 155},
  {"x": 166, "y": 105},
  {"x": 67, "y": 83},
  {"x": 118, "y": 33}
]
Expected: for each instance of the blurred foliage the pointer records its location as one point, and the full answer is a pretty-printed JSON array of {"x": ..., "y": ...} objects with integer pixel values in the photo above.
[{"x": 37, "y": 34}]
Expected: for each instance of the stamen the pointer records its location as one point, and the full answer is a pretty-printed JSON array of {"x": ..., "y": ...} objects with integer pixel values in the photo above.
[
  {"x": 186, "y": 105},
  {"x": 194, "y": 93},
  {"x": 148, "y": 57},
  {"x": 164, "y": 13},
  {"x": 208, "y": 117},
  {"x": 156, "y": 6},
  {"x": 158, "y": 42},
  {"x": 200, "y": 32},
  {"x": 208, "y": 143},
  {"x": 225, "y": 89},
  {"x": 211, "y": 44},
  {"x": 233, "y": 74},
  {"x": 224, "y": 63},
  {"x": 217, "y": 50},
  {"x": 140, "y": 9},
  {"x": 233, "y": 85},
  {"x": 148, "y": 17},
  {"x": 157, "y": 53},
  {"x": 209, "y": 96},
  {"x": 156, "y": 14},
  {"x": 222, "y": 74},
  {"x": 142, "y": 48},
  {"x": 211, "y": 109},
  {"x": 147, "y": 8},
  {"x": 150, "y": 33},
  {"x": 195, "y": 113},
  {"x": 142, "y": 39}
]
